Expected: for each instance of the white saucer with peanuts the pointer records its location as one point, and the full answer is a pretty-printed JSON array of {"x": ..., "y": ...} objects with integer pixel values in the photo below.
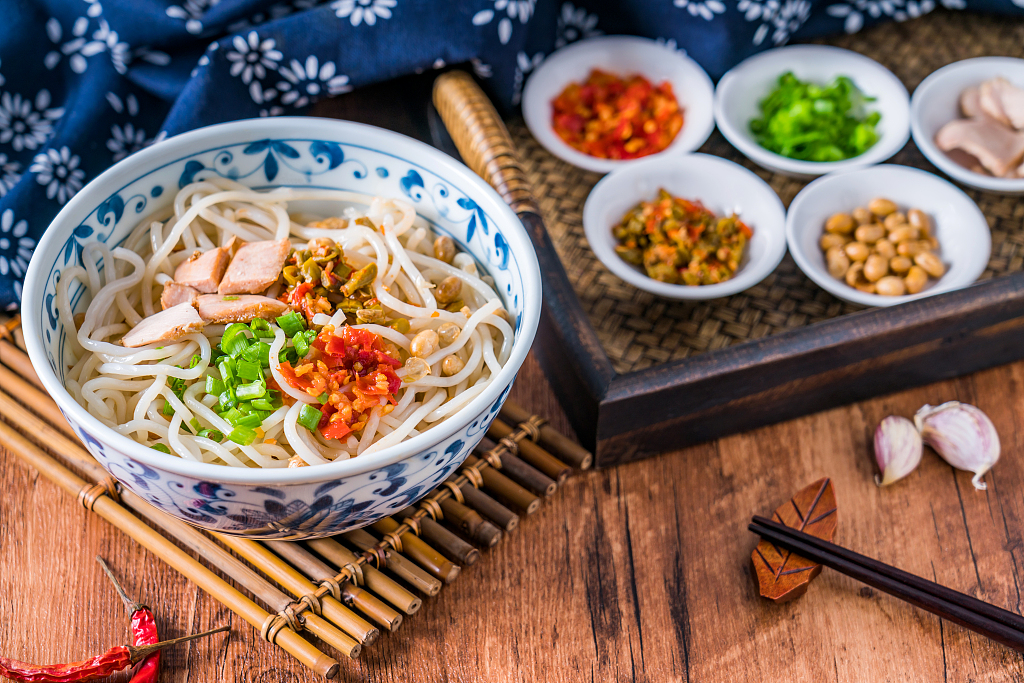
[{"x": 883, "y": 235}]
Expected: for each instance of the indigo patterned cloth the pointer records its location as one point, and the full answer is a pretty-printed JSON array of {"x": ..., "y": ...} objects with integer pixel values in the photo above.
[{"x": 85, "y": 83}]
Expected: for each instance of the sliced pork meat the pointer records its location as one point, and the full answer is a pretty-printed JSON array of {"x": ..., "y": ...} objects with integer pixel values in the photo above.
[
  {"x": 175, "y": 294},
  {"x": 998, "y": 148},
  {"x": 256, "y": 266},
  {"x": 203, "y": 270},
  {"x": 990, "y": 103},
  {"x": 243, "y": 308},
  {"x": 164, "y": 327},
  {"x": 1011, "y": 101},
  {"x": 970, "y": 106}
]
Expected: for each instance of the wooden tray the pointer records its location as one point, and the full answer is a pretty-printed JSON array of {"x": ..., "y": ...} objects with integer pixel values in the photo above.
[{"x": 638, "y": 375}]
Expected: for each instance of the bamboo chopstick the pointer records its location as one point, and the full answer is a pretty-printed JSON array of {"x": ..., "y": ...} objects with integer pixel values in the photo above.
[
  {"x": 375, "y": 579},
  {"x": 174, "y": 556},
  {"x": 956, "y": 609},
  {"x": 41, "y": 432},
  {"x": 395, "y": 562},
  {"x": 559, "y": 444},
  {"x": 970, "y": 602}
]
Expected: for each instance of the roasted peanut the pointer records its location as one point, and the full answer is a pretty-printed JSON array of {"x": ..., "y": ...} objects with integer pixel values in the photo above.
[
  {"x": 448, "y": 333},
  {"x": 444, "y": 248},
  {"x": 881, "y": 207},
  {"x": 449, "y": 290},
  {"x": 885, "y": 248},
  {"x": 863, "y": 216},
  {"x": 894, "y": 220},
  {"x": 919, "y": 219},
  {"x": 424, "y": 343},
  {"x": 838, "y": 262},
  {"x": 915, "y": 279},
  {"x": 931, "y": 264},
  {"x": 869, "y": 234},
  {"x": 900, "y": 264},
  {"x": 855, "y": 274},
  {"x": 904, "y": 233},
  {"x": 876, "y": 267},
  {"x": 829, "y": 240},
  {"x": 415, "y": 370},
  {"x": 890, "y": 285},
  {"x": 840, "y": 223},
  {"x": 866, "y": 287},
  {"x": 912, "y": 248},
  {"x": 452, "y": 365},
  {"x": 857, "y": 251}
]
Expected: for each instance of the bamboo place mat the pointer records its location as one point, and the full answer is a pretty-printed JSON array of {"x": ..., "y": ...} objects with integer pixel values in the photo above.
[{"x": 638, "y": 329}]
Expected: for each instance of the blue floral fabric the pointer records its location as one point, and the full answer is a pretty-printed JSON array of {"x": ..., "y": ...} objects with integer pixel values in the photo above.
[{"x": 85, "y": 83}]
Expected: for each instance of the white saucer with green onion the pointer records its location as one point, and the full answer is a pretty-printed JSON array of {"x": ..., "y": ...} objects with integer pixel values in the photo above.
[{"x": 741, "y": 90}]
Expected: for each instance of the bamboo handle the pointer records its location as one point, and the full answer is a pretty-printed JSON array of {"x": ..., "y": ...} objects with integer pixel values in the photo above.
[
  {"x": 482, "y": 139},
  {"x": 174, "y": 556},
  {"x": 396, "y": 563},
  {"x": 375, "y": 580}
]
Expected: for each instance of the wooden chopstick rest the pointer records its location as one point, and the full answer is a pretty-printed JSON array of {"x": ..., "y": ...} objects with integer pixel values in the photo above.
[
  {"x": 490, "y": 508},
  {"x": 504, "y": 489},
  {"x": 374, "y": 579},
  {"x": 428, "y": 558},
  {"x": 782, "y": 575}
]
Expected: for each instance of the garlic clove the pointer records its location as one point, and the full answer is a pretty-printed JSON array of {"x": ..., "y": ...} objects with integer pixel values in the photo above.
[
  {"x": 897, "y": 449},
  {"x": 962, "y": 435}
]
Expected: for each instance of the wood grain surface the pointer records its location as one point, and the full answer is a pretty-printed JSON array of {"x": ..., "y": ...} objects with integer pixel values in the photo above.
[{"x": 637, "y": 573}]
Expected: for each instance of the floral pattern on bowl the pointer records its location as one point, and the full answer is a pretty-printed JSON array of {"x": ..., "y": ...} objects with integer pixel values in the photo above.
[{"x": 263, "y": 154}]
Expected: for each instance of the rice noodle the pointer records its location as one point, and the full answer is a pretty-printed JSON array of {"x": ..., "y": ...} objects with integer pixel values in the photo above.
[{"x": 156, "y": 394}]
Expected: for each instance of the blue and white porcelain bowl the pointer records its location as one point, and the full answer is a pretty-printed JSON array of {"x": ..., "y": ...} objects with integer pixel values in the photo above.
[{"x": 307, "y": 502}]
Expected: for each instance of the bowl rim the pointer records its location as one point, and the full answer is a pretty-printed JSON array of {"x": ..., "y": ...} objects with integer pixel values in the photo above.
[
  {"x": 142, "y": 163},
  {"x": 843, "y": 291},
  {"x": 885, "y": 148},
  {"x": 541, "y": 128},
  {"x": 927, "y": 144},
  {"x": 626, "y": 272}
]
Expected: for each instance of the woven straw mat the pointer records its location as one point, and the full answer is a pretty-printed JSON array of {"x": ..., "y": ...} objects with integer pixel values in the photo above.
[{"x": 638, "y": 329}]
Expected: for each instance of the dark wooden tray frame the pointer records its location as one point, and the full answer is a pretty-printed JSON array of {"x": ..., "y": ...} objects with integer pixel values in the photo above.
[{"x": 624, "y": 417}]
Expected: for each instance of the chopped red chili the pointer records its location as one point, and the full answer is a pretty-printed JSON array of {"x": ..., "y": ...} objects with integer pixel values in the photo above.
[
  {"x": 617, "y": 118},
  {"x": 355, "y": 369}
]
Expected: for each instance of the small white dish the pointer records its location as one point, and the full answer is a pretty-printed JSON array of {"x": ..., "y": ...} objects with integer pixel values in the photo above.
[
  {"x": 936, "y": 102},
  {"x": 624, "y": 56},
  {"x": 965, "y": 242},
  {"x": 722, "y": 186},
  {"x": 740, "y": 91}
]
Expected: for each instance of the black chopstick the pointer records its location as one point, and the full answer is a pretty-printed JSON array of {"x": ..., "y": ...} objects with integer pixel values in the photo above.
[
  {"x": 974, "y": 604},
  {"x": 956, "y": 610}
]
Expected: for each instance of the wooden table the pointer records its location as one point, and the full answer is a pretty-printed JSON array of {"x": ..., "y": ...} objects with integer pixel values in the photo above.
[{"x": 637, "y": 573}]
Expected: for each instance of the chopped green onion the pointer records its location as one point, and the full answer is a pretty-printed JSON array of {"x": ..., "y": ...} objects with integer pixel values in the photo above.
[
  {"x": 168, "y": 409},
  {"x": 323, "y": 397},
  {"x": 252, "y": 420},
  {"x": 246, "y": 392},
  {"x": 214, "y": 386},
  {"x": 250, "y": 370},
  {"x": 196, "y": 360},
  {"x": 235, "y": 340},
  {"x": 288, "y": 355},
  {"x": 161, "y": 447},
  {"x": 232, "y": 415},
  {"x": 227, "y": 371},
  {"x": 242, "y": 436},
  {"x": 301, "y": 342},
  {"x": 261, "y": 329},
  {"x": 194, "y": 424},
  {"x": 212, "y": 434},
  {"x": 227, "y": 400},
  {"x": 291, "y": 323},
  {"x": 309, "y": 417},
  {"x": 231, "y": 297},
  {"x": 262, "y": 404},
  {"x": 176, "y": 385},
  {"x": 264, "y": 353}
]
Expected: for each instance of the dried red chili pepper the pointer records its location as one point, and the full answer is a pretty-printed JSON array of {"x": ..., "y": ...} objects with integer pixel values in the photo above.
[
  {"x": 143, "y": 629},
  {"x": 100, "y": 666}
]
